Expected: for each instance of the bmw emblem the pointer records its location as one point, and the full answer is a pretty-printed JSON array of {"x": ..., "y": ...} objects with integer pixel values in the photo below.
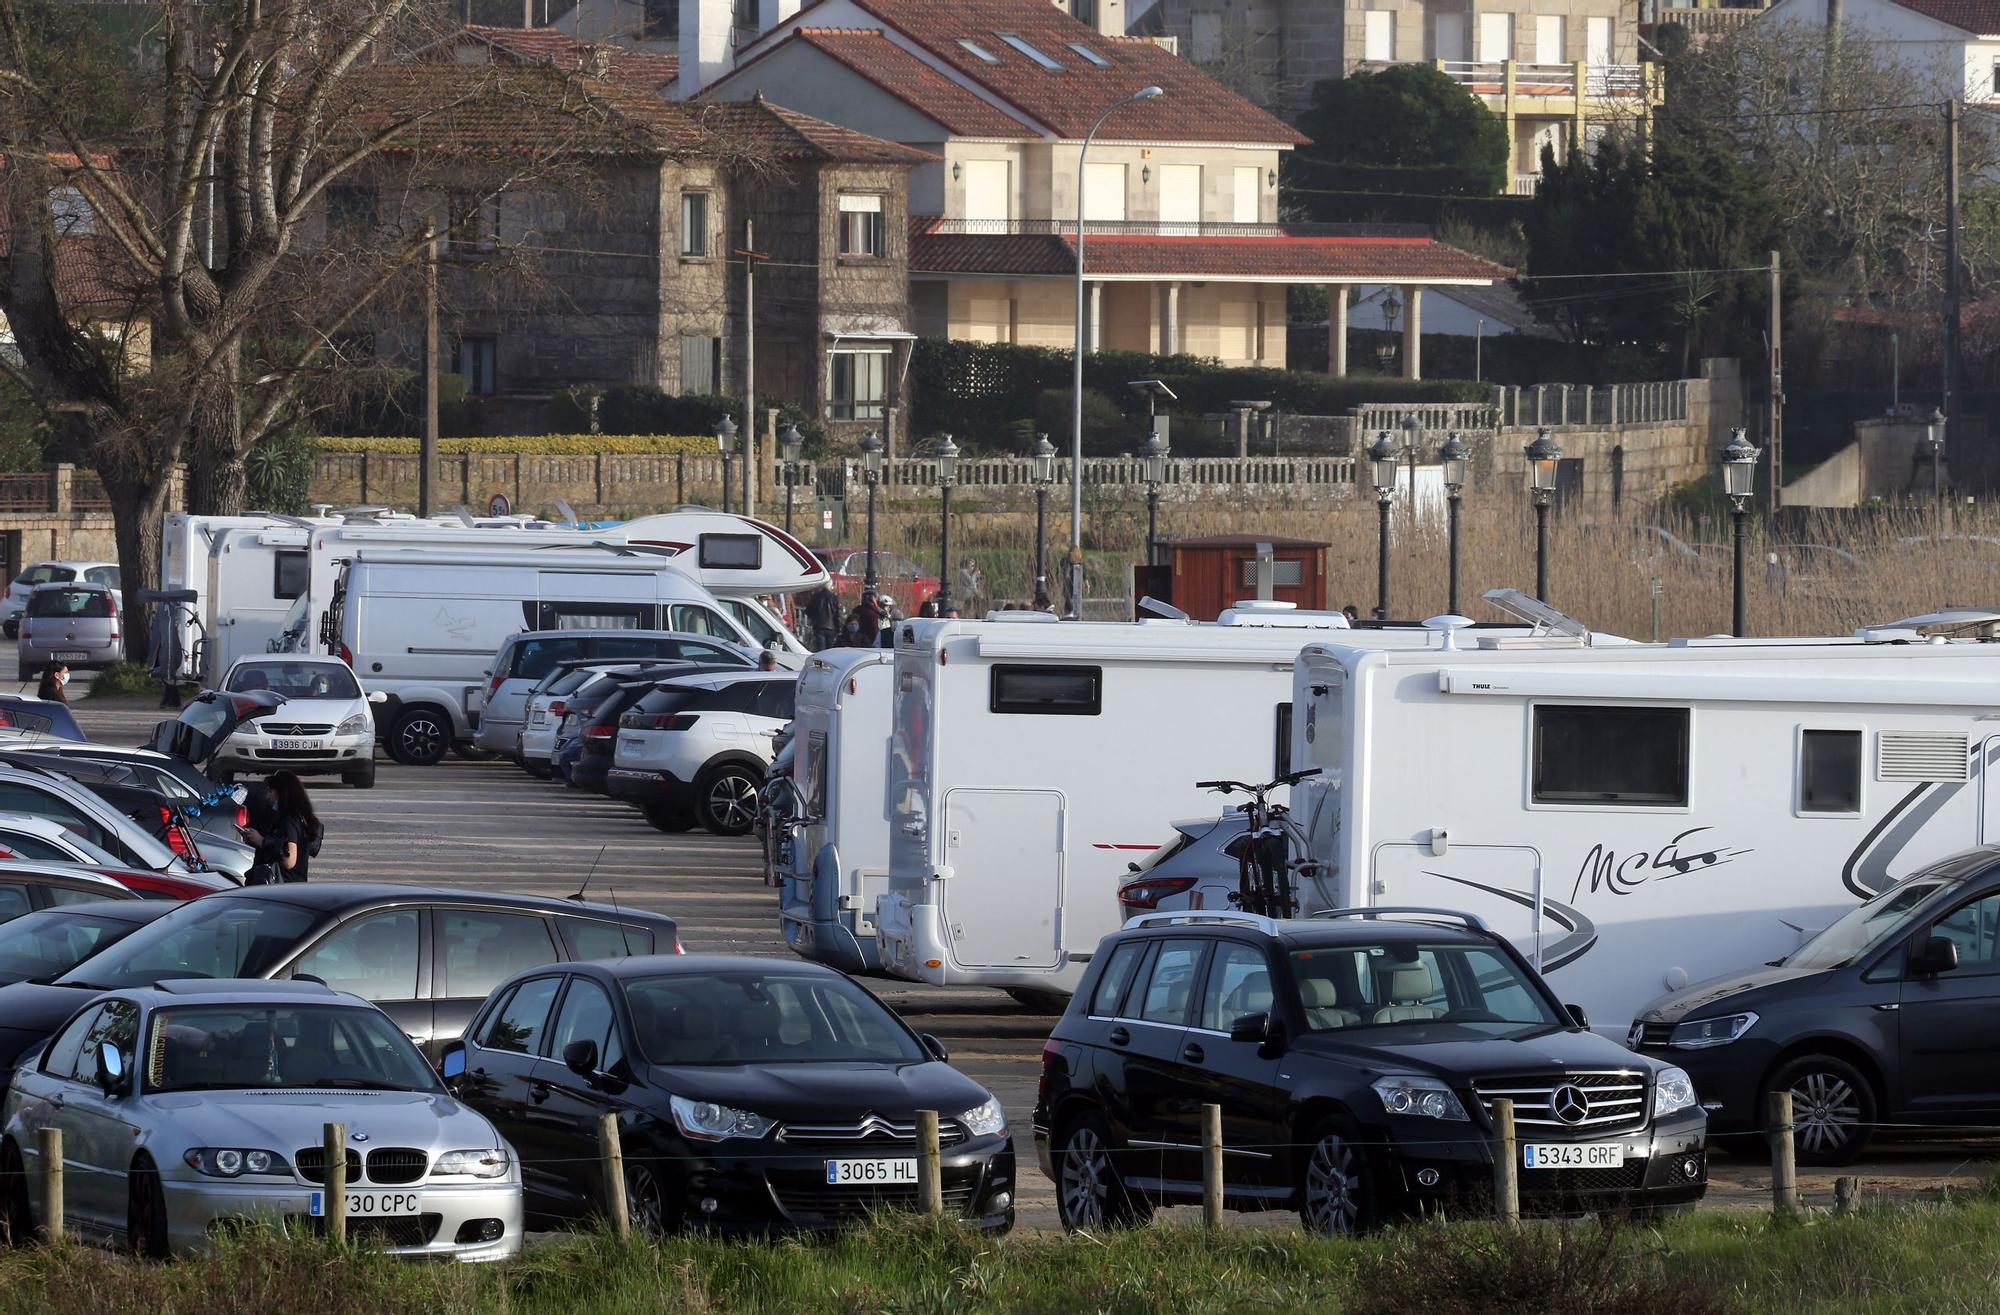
[
  {"x": 359, "y": 1136},
  {"x": 1569, "y": 1103}
]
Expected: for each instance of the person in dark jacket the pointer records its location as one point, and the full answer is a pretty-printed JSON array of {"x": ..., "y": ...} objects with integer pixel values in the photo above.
[
  {"x": 823, "y": 617},
  {"x": 54, "y": 676},
  {"x": 864, "y": 623},
  {"x": 300, "y": 831}
]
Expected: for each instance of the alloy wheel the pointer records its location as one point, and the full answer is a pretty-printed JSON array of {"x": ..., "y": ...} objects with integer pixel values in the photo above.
[
  {"x": 1333, "y": 1187},
  {"x": 1826, "y": 1111},
  {"x": 1086, "y": 1180},
  {"x": 423, "y": 739},
  {"x": 732, "y": 800},
  {"x": 643, "y": 1203}
]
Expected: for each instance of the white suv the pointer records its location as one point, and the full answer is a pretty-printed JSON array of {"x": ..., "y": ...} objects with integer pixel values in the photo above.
[{"x": 695, "y": 748}]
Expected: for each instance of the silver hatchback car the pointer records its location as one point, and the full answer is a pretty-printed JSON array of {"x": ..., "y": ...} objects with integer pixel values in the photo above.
[
  {"x": 77, "y": 625},
  {"x": 190, "y": 1104}
]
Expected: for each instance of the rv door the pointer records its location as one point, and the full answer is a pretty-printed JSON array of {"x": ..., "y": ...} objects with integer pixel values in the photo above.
[
  {"x": 1002, "y": 904},
  {"x": 1501, "y": 884}
]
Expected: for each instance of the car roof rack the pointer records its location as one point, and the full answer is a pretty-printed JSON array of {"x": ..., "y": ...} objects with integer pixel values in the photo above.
[
  {"x": 1172, "y": 919},
  {"x": 1471, "y": 920}
]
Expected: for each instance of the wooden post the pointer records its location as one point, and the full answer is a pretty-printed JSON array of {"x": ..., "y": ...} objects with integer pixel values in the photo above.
[
  {"x": 1846, "y": 1194},
  {"x": 1784, "y": 1156},
  {"x": 930, "y": 1176},
  {"x": 333, "y": 1142},
  {"x": 611, "y": 1162},
  {"x": 680, "y": 479},
  {"x": 1506, "y": 1168},
  {"x": 50, "y": 1147},
  {"x": 1211, "y": 1166}
]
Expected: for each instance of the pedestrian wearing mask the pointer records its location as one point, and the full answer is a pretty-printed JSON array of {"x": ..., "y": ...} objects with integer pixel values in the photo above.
[
  {"x": 300, "y": 831},
  {"x": 54, "y": 676}
]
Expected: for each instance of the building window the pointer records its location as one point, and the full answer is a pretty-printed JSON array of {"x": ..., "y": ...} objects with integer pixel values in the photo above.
[
  {"x": 1286, "y": 573},
  {"x": 1090, "y": 54},
  {"x": 1378, "y": 36},
  {"x": 72, "y": 211},
  {"x": 1245, "y": 207},
  {"x": 861, "y": 225},
  {"x": 1048, "y": 691},
  {"x": 1104, "y": 192},
  {"x": 1496, "y": 38},
  {"x": 350, "y": 209},
  {"x": 701, "y": 365},
  {"x": 473, "y": 362},
  {"x": 989, "y": 191},
  {"x": 978, "y": 51},
  {"x": 694, "y": 225},
  {"x": 860, "y": 385},
  {"x": 1180, "y": 194},
  {"x": 746, "y": 15},
  {"x": 1829, "y": 771},
  {"x": 1996, "y": 77},
  {"x": 1613, "y": 756},
  {"x": 475, "y": 226},
  {"x": 1204, "y": 37},
  {"x": 1022, "y": 45}
]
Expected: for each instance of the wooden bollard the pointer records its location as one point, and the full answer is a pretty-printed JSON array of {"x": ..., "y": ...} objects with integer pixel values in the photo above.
[
  {"x": 49, "y": 1145},
  {"x": 1211, "y": 1165},
  {"x": 930, "y": 1164},
  {"x": 611, "y": 1163},
  {"x": 1784, "y": 1156},
  {"x": 1506, "y": 1167},
  {"x": 333, "y": 1142}
]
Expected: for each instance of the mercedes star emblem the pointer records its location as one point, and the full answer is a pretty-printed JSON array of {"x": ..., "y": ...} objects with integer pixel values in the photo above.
[{"x": 1569, "y": 1103}]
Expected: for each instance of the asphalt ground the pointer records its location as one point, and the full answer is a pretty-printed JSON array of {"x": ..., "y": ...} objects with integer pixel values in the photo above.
[{"x": 490, "y": 826}]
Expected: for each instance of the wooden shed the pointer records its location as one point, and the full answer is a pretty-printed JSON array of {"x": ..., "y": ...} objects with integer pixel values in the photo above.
[{"x": 1205, "y": 575}]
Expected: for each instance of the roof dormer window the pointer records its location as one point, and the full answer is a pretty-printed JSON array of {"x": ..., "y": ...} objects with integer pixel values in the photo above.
[
  {"x": 1046, "y": 61},
  {"x": 978, "y": 51},
  {"x": 1090, "y": 54}
]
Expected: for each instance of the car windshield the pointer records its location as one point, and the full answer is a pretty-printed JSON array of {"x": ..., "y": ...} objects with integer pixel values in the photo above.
[
  {"x": 764, "y": 1018},
  {"x": 90, "y": 603},
  {"x": 1444, "y": 990},
  {"x": 1864, "y": 927},
  {"x": 213, "y": 937},
  {"x": 56, "y": 940},
  {"x": 295, "y": 680},
  {"x": 281, "y": 1045}
]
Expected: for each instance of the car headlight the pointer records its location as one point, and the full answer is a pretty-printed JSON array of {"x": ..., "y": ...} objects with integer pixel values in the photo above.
[
  {"x": 234, "y": 1161},
  {"x": 354, "y": 725},
  {"x": 490, "y": 1163},
  {"x": 1423, "y": 1097},
  {"x": 984, "y": 1120},
  {"x": 704, "y": 1120},
  {"x": 1673, "y": 1090},
  {"x": 1701, "y": 1033}
]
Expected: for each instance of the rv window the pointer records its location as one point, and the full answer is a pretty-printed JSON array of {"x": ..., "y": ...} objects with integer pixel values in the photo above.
[
  {"x": 1110, "y": 992},
  {"x": 591, "y": 616},
  {"x": 1048, "y": 691},
  {"x": 290, "y": 573},
  {"x": 1830, "y": 771},
  {"x": 1597, "y": 755},
  {"x": 732, "y": 552},
  {"x": 1283, "y": 756}
]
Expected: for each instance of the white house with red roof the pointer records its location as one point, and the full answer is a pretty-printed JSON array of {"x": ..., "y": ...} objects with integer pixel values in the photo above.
[
  {"x": 1184, "y": 249},
  {"x": 1942, "y": 40}
]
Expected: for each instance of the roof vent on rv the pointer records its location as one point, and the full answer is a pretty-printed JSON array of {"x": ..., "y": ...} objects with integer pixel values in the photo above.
[
  {"x": 1029, "y": 617},
  {"x": 1545, "y": 619},
  {"x": 1978, "y": 623},
  {"x": 1446, "y": 628},
  {"x": 1162, "y": 610},
  {"x": 1263, "y": 605}
]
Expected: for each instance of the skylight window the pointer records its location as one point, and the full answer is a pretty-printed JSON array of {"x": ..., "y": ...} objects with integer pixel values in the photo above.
[
  {"x": 1090, "y": 54},
  {"x": 1045, "y": 61},
  {"x": 979, "y": 51}
]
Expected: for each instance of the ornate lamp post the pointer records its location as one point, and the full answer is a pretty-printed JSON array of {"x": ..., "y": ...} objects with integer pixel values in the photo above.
[
  {"x": 725, "y": 443},
  {"x": 1934, "y": 432},
  {"x": 871, "y": 470},
  {"x": 1543, "y": 458},
  {"x": 947, "y": 463},
  {"x": 1739, "y": 481},
  {"x": 790, "y": 444},
  {"x": 1153, "y": 469},
  {"x": 1456, "y": 458},
  {"x": 1043, "y": 475},
  {"x": 1384, "y": 461}
]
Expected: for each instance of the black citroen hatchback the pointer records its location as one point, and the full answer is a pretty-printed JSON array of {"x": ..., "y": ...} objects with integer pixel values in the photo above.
[{"x": 1355, "y": 1057}]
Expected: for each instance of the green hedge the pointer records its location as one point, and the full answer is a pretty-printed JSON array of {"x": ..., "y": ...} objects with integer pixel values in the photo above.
[{"x": 539, "y": 445}]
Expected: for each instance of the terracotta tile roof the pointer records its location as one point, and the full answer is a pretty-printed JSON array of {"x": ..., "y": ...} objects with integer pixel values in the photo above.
[
  {"x": 516, "y": 109},
  {"x": 1068, "y": 99},
  {"x": 644, "y": 69},
  {"x": 94, "y": 277},
  {"x": 959, "y": 110},
  {"x": 789, "y": 135},
  {"x": 1980, "y": 17}
]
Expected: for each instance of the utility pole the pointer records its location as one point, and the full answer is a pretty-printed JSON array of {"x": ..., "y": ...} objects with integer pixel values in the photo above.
[
  {"x": 749, "y": 365},
  {"x": 427, "y": 446},
  {"x": 1953, "y": 111},
  {"x": 1774, "y": 405}
]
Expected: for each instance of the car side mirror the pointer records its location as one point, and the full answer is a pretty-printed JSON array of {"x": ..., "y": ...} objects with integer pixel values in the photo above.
[
  {"x": 1933, "y": 955},
  {"x": 581, "y": 1057},
  {"x": 1251, "y": 1027},
  {"x": 451, "y": 1063},
  {"x": 110, "y": 1069},
  {"x": 1577, "y": 1016},
  {"x": 935, "y": 1048},
  {"x": 378, "y": 696}
]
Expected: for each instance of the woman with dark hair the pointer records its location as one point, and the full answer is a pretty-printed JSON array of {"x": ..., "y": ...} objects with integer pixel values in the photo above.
[
  {"x": 299, "y": 828},
  {"x": 54, "y": 676}
]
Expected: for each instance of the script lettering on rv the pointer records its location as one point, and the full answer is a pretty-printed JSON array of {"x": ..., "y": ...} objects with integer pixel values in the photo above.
[{"x": 1604, "y": 869}]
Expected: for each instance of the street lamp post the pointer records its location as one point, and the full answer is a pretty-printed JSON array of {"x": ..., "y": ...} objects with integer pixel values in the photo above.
[
  {"x": 1456, "y": 458},
  {"x": 725, "y": 443},
  {"x": 790, "y": 444},
  {"x": 871, "y": 470},
  {"x": 947, "y": 462},
  {"x": 1384, "y": 461},
  {"x": 1153, "y": 469},
  {"x": 1739, "y": 481},
  {"x": 1934, "y": 435},
  {"x": 1043, "y": 475},
  {"x": 1076, "y": 376},
  {"x": 1543, "y": 457}
]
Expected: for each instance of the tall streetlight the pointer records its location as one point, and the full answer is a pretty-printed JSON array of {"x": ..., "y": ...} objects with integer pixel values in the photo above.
[
  {"x": 1043, "y": 475},
  {"x": 791, "y": 443},
  {"x": 1153, "y": 469},
  {"x": 1739, "y": 481},
  {"x": 1456, "y": 458},
  {"x": 1383, "y": 462},
  {"x": 1413, "y": 443},
  {"x": 1076, "y": 377},
  {"x": 725, "y": 443},
  {"x": 1543, "y": 458},
  {"x": 1934, "y": 435},
  {"x": 947, "y": 463},
  {"x": 871, "y": 470}
]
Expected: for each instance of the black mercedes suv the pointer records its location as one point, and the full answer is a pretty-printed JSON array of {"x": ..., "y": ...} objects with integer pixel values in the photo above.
[{"x": 1354, "y": 1055}]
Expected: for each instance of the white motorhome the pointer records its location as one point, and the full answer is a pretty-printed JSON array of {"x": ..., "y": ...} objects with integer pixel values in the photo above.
[
  {"x": 423, "y": 627},
  {"x": 1639, "y": 816}
]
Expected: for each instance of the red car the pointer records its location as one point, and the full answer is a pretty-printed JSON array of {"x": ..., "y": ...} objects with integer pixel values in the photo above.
[{"x": 896, "y": 575}]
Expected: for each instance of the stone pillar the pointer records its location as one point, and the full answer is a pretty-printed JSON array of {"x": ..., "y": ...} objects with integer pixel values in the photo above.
[
  {"x": 62, "y": 488},
  {"x": 1096, "y": 317},
  {"x": 1336, "y": 330},
  {"x": 1413, "y": 332},
  {"x": 1173, "y": 344}
]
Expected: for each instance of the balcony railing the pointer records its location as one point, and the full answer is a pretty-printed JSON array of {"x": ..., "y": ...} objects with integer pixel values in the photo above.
[
  {"x": 1556, "y": 81},
  {"x": 1524, "y": 184},
  {"x": 1103, "y": 228},
  {"x": 1703, "y": 23}
]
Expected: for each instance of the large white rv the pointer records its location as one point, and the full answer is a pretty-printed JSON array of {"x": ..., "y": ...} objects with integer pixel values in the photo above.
[{"x": 1637, "y": 817}]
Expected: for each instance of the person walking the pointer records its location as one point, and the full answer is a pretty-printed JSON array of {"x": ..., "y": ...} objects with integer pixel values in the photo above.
[
  {"x": 885, "y": 635},
  {"x": 971, "y": 585},
  {"x": 54, "y": 676},
  {"x": 299, "y": 832},
  {"x": 823, "y": 617}
]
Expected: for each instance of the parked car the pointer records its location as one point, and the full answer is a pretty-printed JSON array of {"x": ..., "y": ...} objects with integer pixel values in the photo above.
[
  {"x": 750, "y": 1093},
  {"x": 77, "y": 625},
  {"x": 525, "y": 658},
  {"x": 909, "y": 584},
  {"x": 695, "y": 748},
  {"x": 39, "y": 946},
  {"x": 41, "y": 573},
  {"x": 1889, "y": 1016},
  {"x": 1196, "y": 869},
  {"x": 323, "y": 727},
  {"x": 30, "y": 720},
  {"x": 1355, "y": 1057},
  {"x": 77, "y": 808},
  {"x": 190, "y": 1104},
  {"x": 25, "y": 887},
  {"x": 157, "y": 800},
  {"x": 596, "y": 743},
  {"x": 548, "y": 704}
]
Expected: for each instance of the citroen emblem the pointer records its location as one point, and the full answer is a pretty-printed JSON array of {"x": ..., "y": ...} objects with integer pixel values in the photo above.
[{"x": 1569, "y": 1103}]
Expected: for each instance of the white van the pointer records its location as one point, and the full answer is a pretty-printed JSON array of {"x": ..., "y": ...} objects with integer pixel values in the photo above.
[{"x": 423, "y": 627}]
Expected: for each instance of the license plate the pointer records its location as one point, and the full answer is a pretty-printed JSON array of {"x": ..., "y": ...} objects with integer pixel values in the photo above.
[
  {"x": 843, "y": 1172},
  {"x": 371, "y": 1205},
  {"x": 538, "y": 716},
  {"x": 629, "y": 742},
  {"x": 73, "y": 655},
  {"x": 1573, "y": 1155},
  {"x": 295, "y": 744}
]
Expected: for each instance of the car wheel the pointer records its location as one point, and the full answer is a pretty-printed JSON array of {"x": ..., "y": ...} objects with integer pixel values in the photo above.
[
  {"x": 669, "y": 818},
  {"x": 17, "y": 1220},
  {"x": 1333, "y": 1184},
  {"x": 725, "y": 799},
  {"x": 145, "y": 1210},
  {"x": 646, "y": 1201},
  {"x": 1833, "y": 1107},
  {"x": 1038, "y": 1002},
  {"x": 419, "y": 737},
  {"x": 1089, "y": 1192},
  {"x": 361, "y": 778},
  {"x": 538, "y": 768},
  {"x": 474, "y": 754}
]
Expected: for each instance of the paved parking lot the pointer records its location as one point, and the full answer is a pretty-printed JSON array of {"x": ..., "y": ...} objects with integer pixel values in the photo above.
[{"x": 488, "y": 825}]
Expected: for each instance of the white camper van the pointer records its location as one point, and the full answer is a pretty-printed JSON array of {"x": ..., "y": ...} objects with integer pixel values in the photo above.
[
  {"x": 423, "y": 626},
  {"x": 1637, "y": 817}
]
